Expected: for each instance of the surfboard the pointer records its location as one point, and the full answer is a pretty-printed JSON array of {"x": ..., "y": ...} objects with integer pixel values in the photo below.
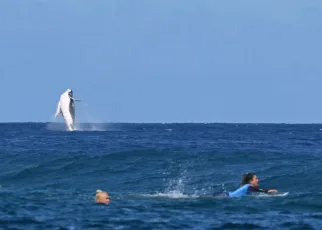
[
  {"x": 271, "y": 194},
  {"x": 281, "y": 194}
]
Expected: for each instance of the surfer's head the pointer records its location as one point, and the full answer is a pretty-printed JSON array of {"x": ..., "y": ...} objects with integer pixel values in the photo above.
[
  {"x": 102, "y": 197},
  {"x": 250, "y": 178}
]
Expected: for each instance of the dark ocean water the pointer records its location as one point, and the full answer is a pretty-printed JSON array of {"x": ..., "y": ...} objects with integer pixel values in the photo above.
[{"x": 157, "y": 176}]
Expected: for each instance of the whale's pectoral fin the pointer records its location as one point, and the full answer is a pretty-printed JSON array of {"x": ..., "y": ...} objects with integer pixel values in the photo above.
[
  {"x": 75, "y": 99},
  {"x": 57, "y": 114},
  {"x": 58, "y": 111}
]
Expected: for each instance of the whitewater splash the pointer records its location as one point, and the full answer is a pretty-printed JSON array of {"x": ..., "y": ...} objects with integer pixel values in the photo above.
[
  {"x": 172, "y": 195},
  {"x": 89, "y": 122},
  {"x": 85, "y": 122},
  {"x": 79, "y": 127},
  {"x": 175, "y": 189}
]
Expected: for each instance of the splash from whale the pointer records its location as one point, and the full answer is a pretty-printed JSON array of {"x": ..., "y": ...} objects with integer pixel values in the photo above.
[{"x": 66, "y": 108}]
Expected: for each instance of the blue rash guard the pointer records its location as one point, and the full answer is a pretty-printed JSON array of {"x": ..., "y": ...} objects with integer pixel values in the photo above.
[{"x": 242, "y": 191}]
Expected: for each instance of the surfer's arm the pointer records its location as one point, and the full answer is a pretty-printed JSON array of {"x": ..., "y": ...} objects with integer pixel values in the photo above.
[{"x": 255, "y": 189}]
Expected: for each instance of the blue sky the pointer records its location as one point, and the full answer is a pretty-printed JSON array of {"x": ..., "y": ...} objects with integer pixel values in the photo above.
[{"x": 162, "y": 60}]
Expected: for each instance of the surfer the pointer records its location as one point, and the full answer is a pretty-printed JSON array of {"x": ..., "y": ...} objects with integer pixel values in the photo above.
[
  {"x": 249, "y": 184},
  {"x": 102, "y": 197}
]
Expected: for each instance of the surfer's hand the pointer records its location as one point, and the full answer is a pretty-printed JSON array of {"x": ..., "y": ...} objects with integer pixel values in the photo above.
[{"x": 271, "y": 190}]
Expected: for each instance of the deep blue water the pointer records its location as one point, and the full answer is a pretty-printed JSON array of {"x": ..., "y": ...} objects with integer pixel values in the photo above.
[{"x": 157, "y": 176}]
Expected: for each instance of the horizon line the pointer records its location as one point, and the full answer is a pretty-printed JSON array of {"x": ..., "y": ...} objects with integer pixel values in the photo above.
[{"x": 126, "y": 122}]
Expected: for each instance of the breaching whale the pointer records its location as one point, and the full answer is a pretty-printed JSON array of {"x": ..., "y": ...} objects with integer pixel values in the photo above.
[{"x": 66, "y": 107}]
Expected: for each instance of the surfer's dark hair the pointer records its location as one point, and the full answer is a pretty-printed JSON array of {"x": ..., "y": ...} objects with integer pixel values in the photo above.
[{"x": 247, "y": 177}]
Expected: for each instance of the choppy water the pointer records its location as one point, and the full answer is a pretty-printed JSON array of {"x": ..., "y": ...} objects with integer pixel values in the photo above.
[{"x": 157, "y": 176}]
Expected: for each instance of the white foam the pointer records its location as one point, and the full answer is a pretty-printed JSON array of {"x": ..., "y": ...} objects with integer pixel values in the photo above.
[
  {"x": 55, "y": 126},
  {"x": 172, "y": 195},
  {"x": 179, "y": 195},
  {"x": 90, "y": 127}
]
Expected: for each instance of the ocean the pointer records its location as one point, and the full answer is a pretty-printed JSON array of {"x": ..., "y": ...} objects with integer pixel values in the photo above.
[{"x": 158, "y": 176}]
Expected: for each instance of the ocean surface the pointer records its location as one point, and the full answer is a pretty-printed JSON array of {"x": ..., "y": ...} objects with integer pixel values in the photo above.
[{"x": 158, "y": 176}]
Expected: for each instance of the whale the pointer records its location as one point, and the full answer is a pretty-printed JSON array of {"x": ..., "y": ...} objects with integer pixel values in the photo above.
[{"x": 66, "y": 108}]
